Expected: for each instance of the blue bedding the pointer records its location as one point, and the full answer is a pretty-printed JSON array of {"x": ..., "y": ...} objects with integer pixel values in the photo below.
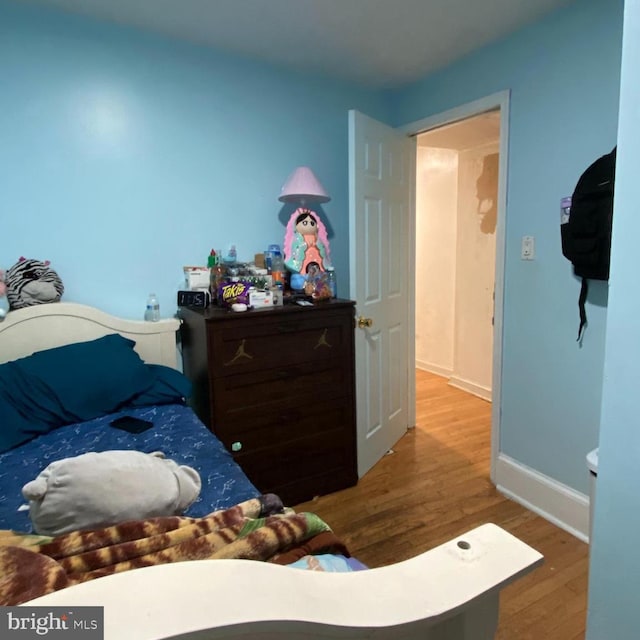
[{"x": 176, "y": 431}]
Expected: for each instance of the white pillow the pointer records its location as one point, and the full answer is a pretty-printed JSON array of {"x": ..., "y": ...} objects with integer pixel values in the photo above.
[{"x": 97, "y": 490}]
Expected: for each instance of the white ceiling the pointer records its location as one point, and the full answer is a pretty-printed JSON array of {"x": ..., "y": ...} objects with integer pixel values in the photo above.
[{"x": 375, "y": 43}]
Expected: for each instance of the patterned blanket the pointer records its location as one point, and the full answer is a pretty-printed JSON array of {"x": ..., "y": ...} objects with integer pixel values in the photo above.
[{"x": 258, "y": 529}]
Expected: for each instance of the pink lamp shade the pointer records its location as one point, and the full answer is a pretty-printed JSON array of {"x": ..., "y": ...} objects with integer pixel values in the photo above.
[{"x": 302, "y": 186}]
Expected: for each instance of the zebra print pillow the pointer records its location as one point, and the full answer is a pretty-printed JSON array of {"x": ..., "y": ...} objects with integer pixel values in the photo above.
[{"x": 32, "y": 282}]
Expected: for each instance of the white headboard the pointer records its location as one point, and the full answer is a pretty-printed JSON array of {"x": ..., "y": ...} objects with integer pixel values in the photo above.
[{"x": 44, "y": 326}]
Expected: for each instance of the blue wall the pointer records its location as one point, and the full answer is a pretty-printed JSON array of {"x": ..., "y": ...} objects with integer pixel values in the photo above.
[
  {"x": 615, "y": 560},
  {"x": 563, "y": 73},
  {"x": 125, "y": 156}
]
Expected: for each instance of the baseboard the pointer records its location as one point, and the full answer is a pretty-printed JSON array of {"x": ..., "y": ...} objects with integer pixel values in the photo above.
[
  {"x": 433, "y": 368},
  {"x": 471, "y": 387},
  {"x": 554, "y": 501}
]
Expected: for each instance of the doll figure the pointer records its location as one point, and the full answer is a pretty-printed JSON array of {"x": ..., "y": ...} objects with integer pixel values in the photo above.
[{"x": 306, "y": 242}]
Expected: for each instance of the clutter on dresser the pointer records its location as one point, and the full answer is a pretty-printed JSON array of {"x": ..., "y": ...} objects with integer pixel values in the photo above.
[
  {"x": 265, "y": 282},
  {"x": 231, "y": 284},
  {"x": 278, "y": 277},
  {"x": 216, "y": 273},
  {"x": 297, "y": 281},
  {"x": 317, "y": 284},
  {"x": 196, "y": 278},
  {"x": 198, "y": 299},
  {"x": 272, "y": 250}
]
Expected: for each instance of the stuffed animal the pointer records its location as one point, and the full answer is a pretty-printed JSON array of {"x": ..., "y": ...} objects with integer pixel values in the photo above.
[
  {"x": 4, "y": 303},
  {"x": 30, "y": 282},
  {"x": 96, "y": 490}
]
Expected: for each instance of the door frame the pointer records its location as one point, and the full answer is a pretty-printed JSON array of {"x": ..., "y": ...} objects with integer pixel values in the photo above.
[{"x": 499, "y": 100}]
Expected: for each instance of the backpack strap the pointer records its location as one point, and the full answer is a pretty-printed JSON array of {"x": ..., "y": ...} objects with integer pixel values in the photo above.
[{"x": 584, "y": 289}]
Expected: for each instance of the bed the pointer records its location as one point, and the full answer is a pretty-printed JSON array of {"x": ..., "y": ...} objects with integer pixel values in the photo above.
[{"x": 451, "y": 591}]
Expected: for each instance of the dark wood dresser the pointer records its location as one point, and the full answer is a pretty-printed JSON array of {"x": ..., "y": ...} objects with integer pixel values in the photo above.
[{"x": 277, "y": 387}]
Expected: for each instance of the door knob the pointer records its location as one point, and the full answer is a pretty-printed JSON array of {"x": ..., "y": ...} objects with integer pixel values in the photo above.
[{"x": 364, "y": 322}]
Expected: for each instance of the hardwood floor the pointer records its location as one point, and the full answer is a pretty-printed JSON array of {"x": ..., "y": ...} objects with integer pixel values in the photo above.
[{"x": 435, "y": 486}]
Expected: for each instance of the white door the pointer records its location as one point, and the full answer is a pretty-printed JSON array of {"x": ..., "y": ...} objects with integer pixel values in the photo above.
[{"x": 381, "y": 179}]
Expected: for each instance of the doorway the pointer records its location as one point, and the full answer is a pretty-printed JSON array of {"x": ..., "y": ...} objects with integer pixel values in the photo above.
[
  {"x": 498, "y": 102},
  {"x": 456, "y": 220}
]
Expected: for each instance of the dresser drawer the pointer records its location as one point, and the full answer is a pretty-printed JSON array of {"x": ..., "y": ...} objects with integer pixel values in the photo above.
[
  {"x": 274, "y": 425},
  {"x": 235, "y": 348},
  {"x": 245, "y": 396},
  {"x": 320, "y": 454}
]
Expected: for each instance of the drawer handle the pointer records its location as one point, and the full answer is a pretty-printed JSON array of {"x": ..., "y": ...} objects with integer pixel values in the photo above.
[
  {"x": 322, "y": 341},
  {"x": 236, "y": 446},
  {"x": 239, "y": 355}
]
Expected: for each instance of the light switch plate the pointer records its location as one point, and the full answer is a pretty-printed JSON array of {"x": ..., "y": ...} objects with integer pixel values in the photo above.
[{"x": 528, "y": 248}]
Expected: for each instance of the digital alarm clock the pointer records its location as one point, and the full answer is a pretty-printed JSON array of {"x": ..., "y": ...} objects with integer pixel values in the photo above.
[{"x": 199, "y": 298}]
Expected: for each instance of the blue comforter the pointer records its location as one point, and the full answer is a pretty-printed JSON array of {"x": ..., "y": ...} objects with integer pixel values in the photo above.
[{"x": 176, "y": 431}]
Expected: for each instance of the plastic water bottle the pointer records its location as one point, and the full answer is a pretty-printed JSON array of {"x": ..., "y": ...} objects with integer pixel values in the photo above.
[
  {"x": 152, "y": 312},
  {"x": 232, "y": 256},
  {"x": 277, "y": 270},
  {"x": 268, "y": 256},
  {"x": 331, "y": 279}
]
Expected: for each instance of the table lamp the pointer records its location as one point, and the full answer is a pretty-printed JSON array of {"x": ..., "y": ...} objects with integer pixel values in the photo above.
[
  {"x": 306, "y": 243},
  {"x": 302, "y": 187}
]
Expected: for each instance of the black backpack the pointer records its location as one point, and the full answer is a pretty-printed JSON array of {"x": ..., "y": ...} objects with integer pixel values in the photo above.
[{"x": 586, "y": 226}]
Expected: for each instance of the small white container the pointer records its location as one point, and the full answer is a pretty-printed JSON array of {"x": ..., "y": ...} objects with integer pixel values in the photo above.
[
  {"x": 260, "y": 299},
  {"x": 196, "y": 278}
]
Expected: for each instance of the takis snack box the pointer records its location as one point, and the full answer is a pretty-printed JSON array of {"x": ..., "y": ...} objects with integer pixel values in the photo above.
[{"x": 231, "y": 292}]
